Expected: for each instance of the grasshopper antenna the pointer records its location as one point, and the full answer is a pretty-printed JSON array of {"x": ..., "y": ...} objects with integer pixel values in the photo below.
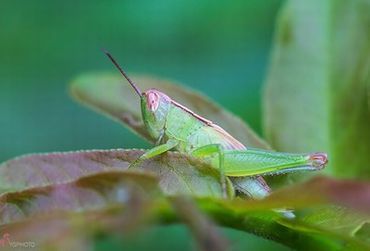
[{"x": 132, "y": 83}]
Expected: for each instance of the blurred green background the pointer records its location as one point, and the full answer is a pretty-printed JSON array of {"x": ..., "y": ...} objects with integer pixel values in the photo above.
[{"x": 220, "y": 48}]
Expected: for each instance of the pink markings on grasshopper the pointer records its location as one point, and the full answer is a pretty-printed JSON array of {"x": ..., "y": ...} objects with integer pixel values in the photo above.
[
  {"x": 153, "y": 100},
  {"x": 318, "y": 160}
]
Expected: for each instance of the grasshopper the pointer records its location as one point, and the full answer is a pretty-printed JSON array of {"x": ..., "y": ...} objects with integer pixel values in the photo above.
[{"x": 175, "y": 127}]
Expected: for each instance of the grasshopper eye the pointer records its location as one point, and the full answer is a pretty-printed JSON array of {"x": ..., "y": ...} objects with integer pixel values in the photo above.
[{"x": 152, "y": 101}]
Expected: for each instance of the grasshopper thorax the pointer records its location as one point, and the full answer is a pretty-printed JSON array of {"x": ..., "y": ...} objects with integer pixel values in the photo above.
[{"x": 155, "y": 106}]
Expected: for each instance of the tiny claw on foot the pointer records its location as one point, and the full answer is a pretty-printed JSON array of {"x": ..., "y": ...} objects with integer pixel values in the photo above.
[
  {"x": 134, "y": 164},
  {"x": 318, "y": 160}
]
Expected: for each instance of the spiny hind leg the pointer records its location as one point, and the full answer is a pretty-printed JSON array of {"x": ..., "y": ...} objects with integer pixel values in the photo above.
[{"x": 211, "y": 149}]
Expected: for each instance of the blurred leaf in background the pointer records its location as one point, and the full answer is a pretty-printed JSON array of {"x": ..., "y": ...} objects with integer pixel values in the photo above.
[
  {"x": 316, "y": 97},
  {"x": 205, "y": 44}
]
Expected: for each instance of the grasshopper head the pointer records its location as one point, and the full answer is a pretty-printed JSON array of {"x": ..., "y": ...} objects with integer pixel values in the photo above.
[
  {"x": 154, "y": 104},
  {"x": 154, "y": 107}
]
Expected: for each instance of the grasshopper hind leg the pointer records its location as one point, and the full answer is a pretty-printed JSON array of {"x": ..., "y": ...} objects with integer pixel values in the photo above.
[
  {"x": 253, "y": 187},
  {"x": 211, "y": 149}
]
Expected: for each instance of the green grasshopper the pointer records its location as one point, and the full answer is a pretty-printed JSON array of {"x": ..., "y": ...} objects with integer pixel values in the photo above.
[{"x": 175, "y": 127}]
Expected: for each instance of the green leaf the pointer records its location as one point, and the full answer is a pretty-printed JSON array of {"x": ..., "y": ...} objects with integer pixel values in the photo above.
[
  {"x": 177, "y": 173},
  {"x": 333, "y": 214},
  {"x": 121, "y": 201},
  {"x": 109, "y": 199},
  {"x": 97, "y": 181},
  {"x": 363, "y": 232},
  {"x": 316, "y": 97},
  {"x": 68, "y": 230},
  {"x": 110, "y": 94},
  {"x": 85, "y": 194},
  {"x": 324, "y": 190},
  {"x": 207, "y": 235}
]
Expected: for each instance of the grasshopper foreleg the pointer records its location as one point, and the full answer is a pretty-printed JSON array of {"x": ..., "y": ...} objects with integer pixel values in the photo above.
[{"x": 155, "y": 151}]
